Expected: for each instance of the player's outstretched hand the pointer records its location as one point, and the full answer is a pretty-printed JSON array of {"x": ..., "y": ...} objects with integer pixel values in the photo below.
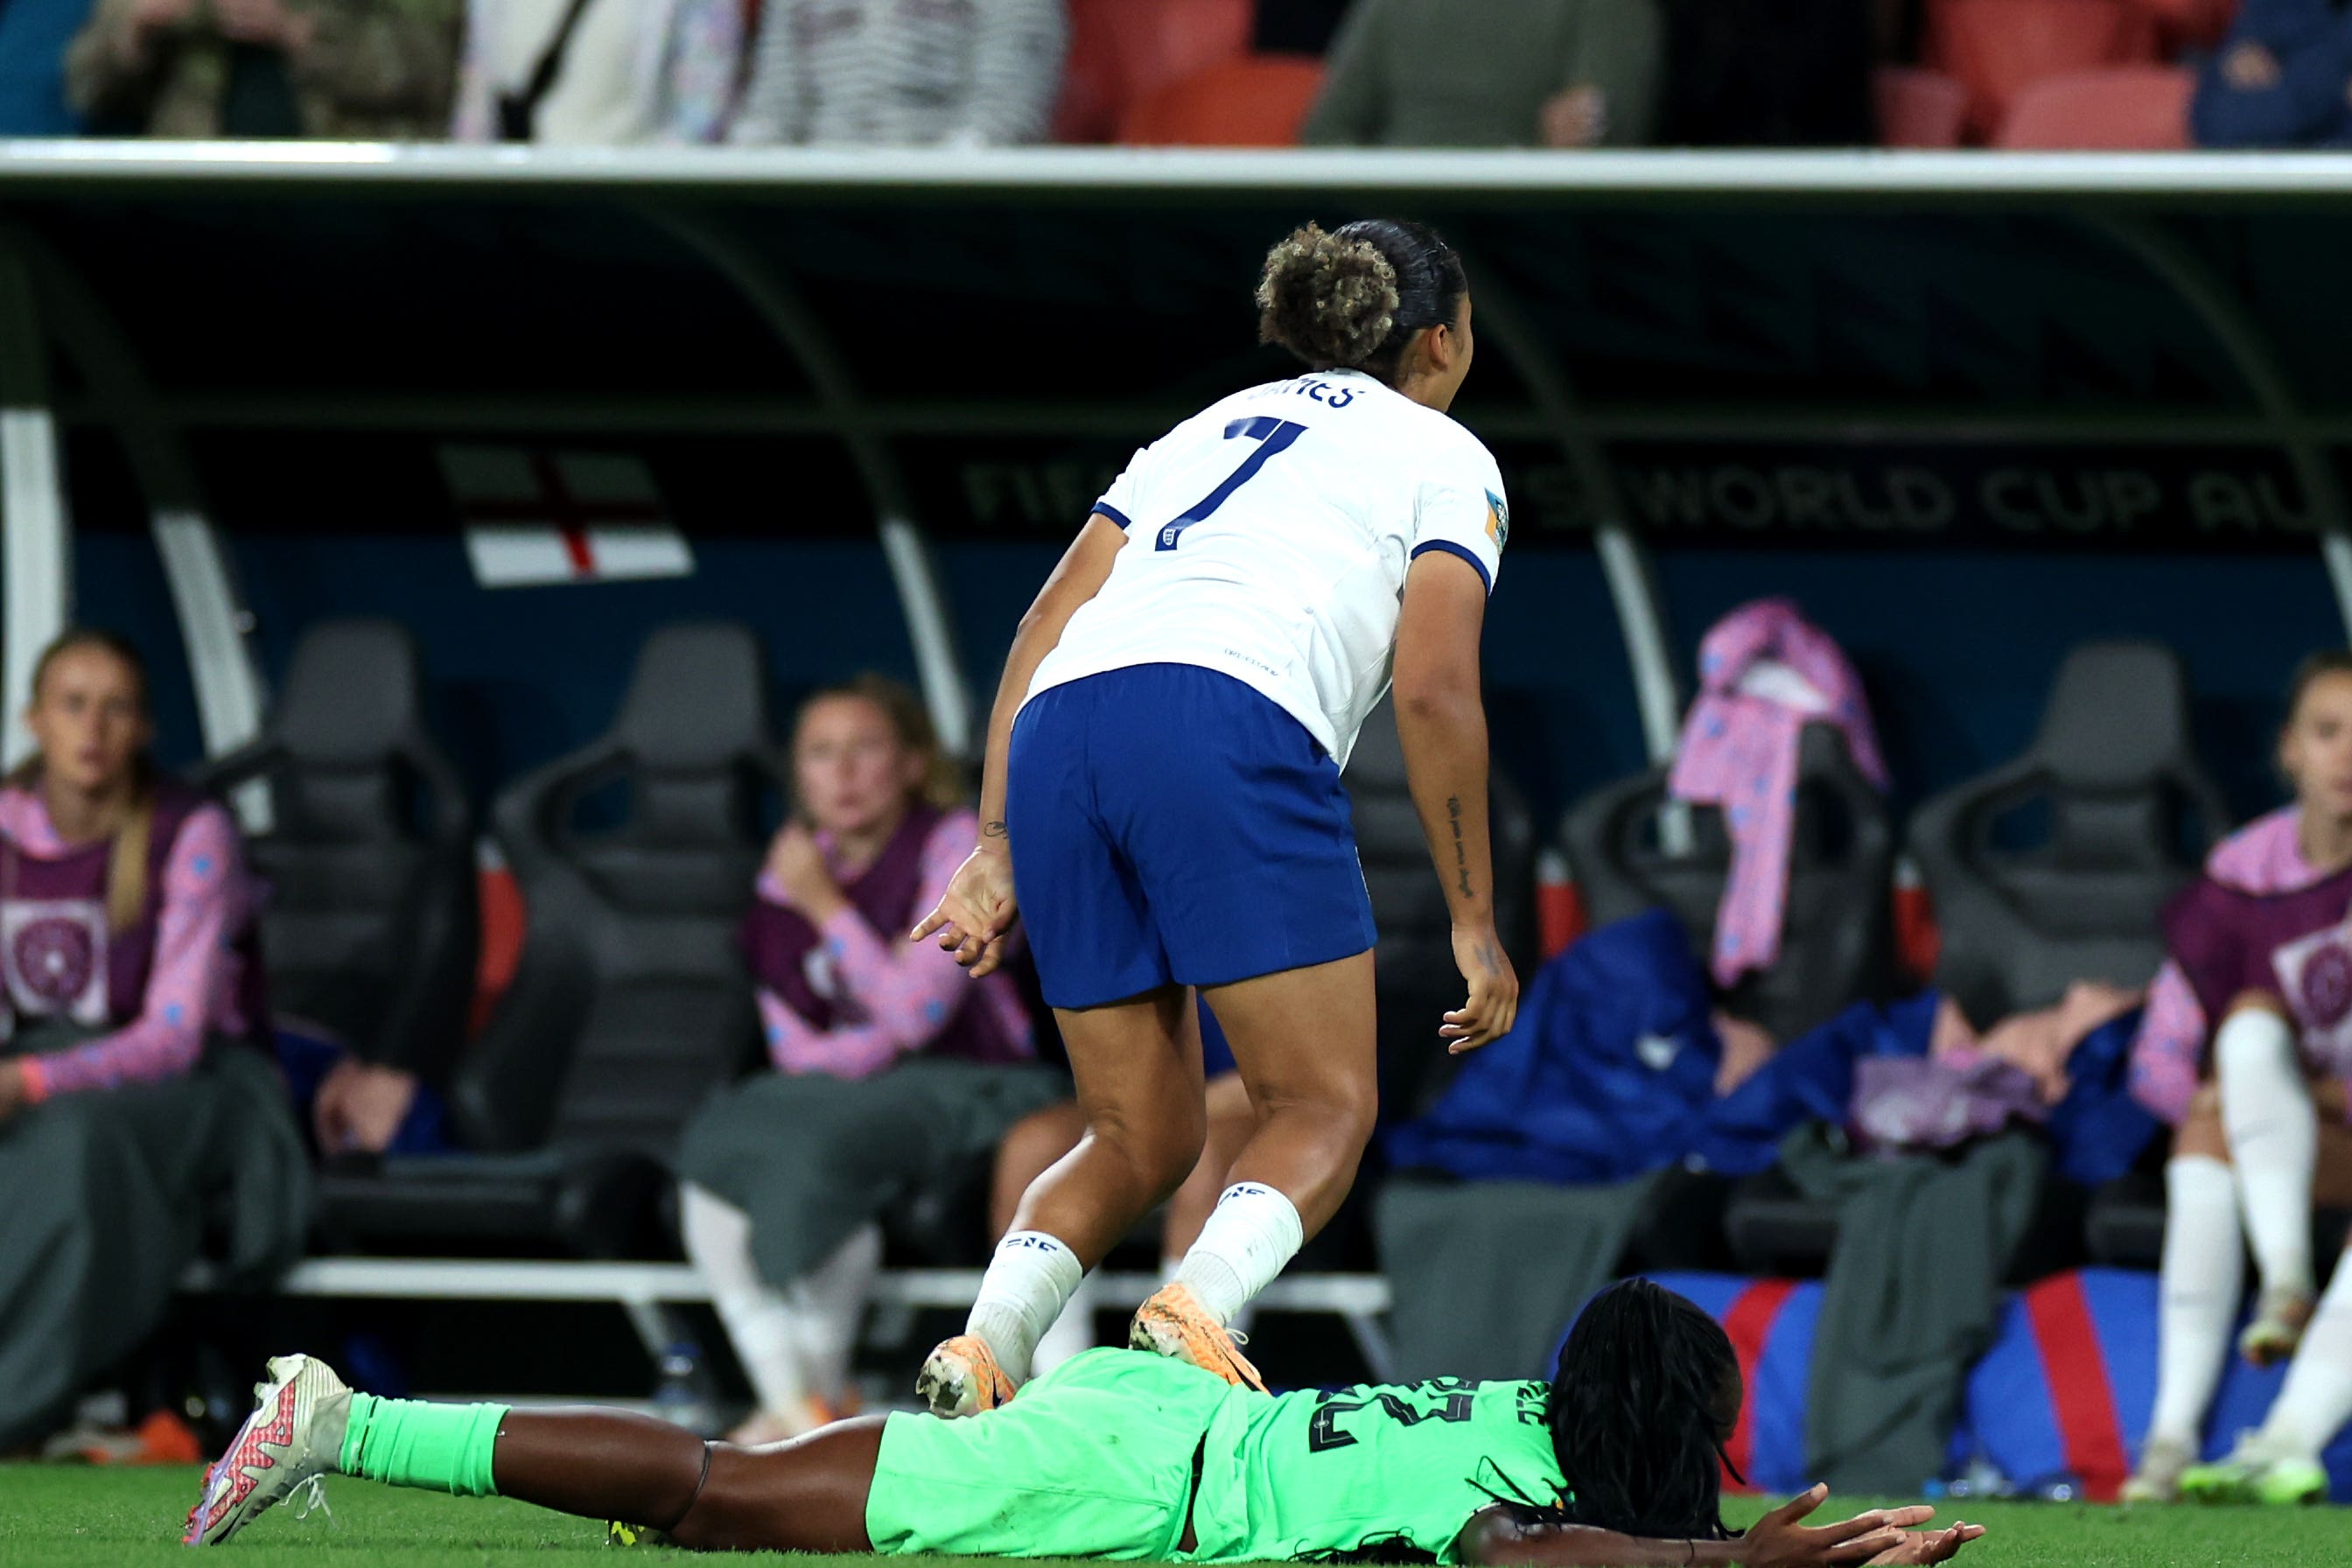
[
  {"x": 1494, "y": 1001},
  {"x": 1929, "y": 1545},
  {"x": 976, "y": 914},
  {"x": 1781, "y": 1540}
]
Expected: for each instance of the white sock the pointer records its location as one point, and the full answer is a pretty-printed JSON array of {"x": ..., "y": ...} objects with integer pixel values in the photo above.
[
  {"x": 1072, "y": 1333},
  {"x": 2199, "y": 1283},
  {"x": 1244, "y": 1315},
  {"x": 1251, "y": 1234},
  {"x": 2317, "y": 1399},
  {"x": 828, "y": 1304},
  {"x": 1030, "y": 1279},
  {"x": 759, "y": 1323},
  {"x": 2273, "y": 1132}
]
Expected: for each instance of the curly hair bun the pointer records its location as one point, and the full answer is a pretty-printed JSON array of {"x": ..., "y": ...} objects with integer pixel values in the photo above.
[{"x": 1331, "y": 301}]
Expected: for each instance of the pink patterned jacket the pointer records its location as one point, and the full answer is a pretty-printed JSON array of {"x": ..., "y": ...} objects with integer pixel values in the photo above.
[
  {"x": 1765, "y": 672},
  {"x": 54, "y": 947},
  {"x": 889, "y": 997},
  {"x": 2265, "y": 856}
]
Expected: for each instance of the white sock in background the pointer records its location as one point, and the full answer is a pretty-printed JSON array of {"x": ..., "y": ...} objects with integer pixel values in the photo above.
[
  {"x": 2273, "y": 1132},
  {"x": 2203, "y": 1274},
  {"x": 759, "y": 1323},
  {"x": 1251, "y": 1234},
  {"x": 2317, "y": 1399},
  {"x": 1072, "y": 1333},
  {"x": 1029, "y": 1280},
  {"x": 828, "y": 1305}
]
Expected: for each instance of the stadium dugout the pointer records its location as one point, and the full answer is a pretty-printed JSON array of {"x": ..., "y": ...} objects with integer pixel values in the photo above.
[
  {"x": 2163, "y": 389},
  {"x": 2070, "y": 359}
]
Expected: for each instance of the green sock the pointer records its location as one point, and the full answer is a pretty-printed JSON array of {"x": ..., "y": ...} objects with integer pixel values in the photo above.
[{"x": 409, "y": 1443}]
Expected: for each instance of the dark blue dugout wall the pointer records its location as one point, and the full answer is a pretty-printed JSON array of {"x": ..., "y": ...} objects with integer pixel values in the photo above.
[
  {"x": 118, "y": 584},
  {"x": 1560, "y": 700},
  {"x": 521, "y": 675},
  {"x": 518, "y": 676},
  {"x": 1559, "y": 693},
  {"x": 1957, "y": 647}
]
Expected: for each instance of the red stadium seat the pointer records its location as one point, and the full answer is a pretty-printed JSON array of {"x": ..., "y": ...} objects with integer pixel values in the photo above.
[
  {"x": 1091, "y": 81},
  {"x": 1122, "y": 51},
  {"x": 1997, "y": 48},
  {"x": 504, "y": 922},
  {"x": 1917, "y": 108},
  {"x": 2120, "y": 108},
  {"x": 1258, "y": 100}
]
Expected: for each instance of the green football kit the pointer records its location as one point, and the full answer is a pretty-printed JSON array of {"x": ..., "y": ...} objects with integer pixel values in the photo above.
[{"x": 1110, "y": 1454}]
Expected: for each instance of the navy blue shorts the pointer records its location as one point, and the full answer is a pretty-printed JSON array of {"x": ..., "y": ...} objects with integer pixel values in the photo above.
[{"x": 1170, "y": 824}]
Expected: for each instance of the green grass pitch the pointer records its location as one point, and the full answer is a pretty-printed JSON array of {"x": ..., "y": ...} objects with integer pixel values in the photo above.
[{"x": 68, "y": 1518}]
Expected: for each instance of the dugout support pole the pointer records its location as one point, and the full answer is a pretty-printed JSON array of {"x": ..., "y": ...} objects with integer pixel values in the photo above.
[{"x": 35, "y": 530}]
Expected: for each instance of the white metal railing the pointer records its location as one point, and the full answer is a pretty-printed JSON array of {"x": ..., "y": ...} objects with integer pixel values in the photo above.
[
  {"x": 2100, "y": 178},
  {"x": 1359, "y": 1300}
]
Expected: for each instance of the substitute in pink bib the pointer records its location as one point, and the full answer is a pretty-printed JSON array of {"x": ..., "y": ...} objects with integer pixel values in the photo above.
[
  {"x": 2246, "y": 1048},
  {"x": 896, "y": 1073},
  {"x": 132, "y": 1107}
]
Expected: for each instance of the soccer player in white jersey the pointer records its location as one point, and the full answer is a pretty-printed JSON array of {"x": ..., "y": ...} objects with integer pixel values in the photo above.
[{"x": 1161, "y": 805}]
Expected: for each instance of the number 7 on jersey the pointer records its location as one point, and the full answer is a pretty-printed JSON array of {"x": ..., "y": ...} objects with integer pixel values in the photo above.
[{"x": 1271, "y": 435}]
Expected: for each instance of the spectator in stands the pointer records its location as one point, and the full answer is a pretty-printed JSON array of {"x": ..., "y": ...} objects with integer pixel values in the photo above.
[
  {"x": 1768, "y": 73},
  {"x": 603, "y": 72},
  {"x": 1043, "y": 1137},
  {"x": 904, "y": 73},
  {"x": 341, "y": 70},
  {"x": 1297, "y": 27},
  {"x": 1493, "y": 73},
  {"x": 34, "y": 38},
  {"x": 2245, "y": 1048},
  {"x": 127, "y": 970},
  {"x": 2283, "y": 78},
  {"x": 1896, "y": 28},
  {"x": 894, "y": 1071}
]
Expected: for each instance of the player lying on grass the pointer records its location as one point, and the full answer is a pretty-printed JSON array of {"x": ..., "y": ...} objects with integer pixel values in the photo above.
[{"x": 1121, "y": 1454}]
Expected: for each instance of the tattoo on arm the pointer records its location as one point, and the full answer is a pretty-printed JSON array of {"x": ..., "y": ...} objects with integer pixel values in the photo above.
[
  {"x": 991, "y": 830},
  {"x": 1461, "y": 859}
]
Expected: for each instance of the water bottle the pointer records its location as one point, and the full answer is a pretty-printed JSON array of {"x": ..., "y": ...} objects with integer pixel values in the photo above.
[
  {"x": 680, "y": 1398},
  {"x": 1980, "y": 1480}
]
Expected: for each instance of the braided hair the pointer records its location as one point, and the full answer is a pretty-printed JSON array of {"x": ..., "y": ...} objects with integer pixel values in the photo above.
[{"x": 1642, "y": 1405}]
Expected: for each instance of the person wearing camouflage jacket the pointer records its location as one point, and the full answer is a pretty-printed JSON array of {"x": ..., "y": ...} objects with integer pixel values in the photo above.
[{"x": 334, "y": 69}]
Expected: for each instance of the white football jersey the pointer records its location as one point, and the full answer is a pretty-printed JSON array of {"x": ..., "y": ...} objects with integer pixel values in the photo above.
[{"x": 1268, "y": 538}]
